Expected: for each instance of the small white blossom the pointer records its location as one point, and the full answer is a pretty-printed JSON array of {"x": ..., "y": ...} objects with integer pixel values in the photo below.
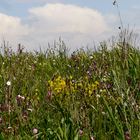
[
  {"x": 9, "y": 127},
  {"x": 8, "y": 83},
  {"x": 35, "y": 131},
  {"x": 92, "y": 138},
  {"x": 122, "y": 95},
  {"x": 103, "y": 113},
  {"x": 22, "y": 97},
  {"x": 19, "y": 96},
  {"x": 98, "y": 96},
  {"x": 91, "y": 57},
  {"x": 29, "y": 109}
]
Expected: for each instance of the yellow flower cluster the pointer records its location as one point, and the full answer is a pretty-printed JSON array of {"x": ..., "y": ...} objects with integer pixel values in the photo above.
[
  {"x": 91, "y": 87},
  {"x": 57, "y": 85}
]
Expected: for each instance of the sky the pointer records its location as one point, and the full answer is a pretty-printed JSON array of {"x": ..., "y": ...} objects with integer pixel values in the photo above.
[{"x": 80, "y": 23}]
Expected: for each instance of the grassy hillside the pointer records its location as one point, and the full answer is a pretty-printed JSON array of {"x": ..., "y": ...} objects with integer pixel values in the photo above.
[{"x": 57, "y": 96}]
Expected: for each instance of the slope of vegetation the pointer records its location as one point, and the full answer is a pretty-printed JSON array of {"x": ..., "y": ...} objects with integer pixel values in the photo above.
[{"x": 57, "y": 96}]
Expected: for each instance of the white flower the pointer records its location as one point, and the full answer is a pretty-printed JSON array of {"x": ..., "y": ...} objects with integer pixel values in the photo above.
[
  {"x": 91, "y": 57},
  {"x": 122, "y": 95},
  {"x": 8, "y": 83},
  {"x": 29, "y": 109},
  {"x": 22, "y": 97},
  {"x": 35, "y": 131},
  {"x": 9, "y": 127},
  {"x": 98, "y": 96},
  {"x": 92, "y": 138},
  {"x": 19, "y": 96},
  {"x": 103, "y": 113}
]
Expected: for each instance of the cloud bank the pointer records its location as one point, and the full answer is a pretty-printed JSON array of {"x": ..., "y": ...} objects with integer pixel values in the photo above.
[{"x": 76, "y": 25}]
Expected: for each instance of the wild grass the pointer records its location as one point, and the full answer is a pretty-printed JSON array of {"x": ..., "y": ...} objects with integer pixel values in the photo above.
[{"x": 85, "y": 95}]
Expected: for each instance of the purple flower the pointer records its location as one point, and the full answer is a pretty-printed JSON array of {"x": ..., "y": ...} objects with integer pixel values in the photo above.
[{"x": 49, "y": 95}]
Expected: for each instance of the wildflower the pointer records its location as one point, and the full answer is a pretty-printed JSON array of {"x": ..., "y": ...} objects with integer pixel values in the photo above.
[
  {"x": 69, "y": 66},
  {"x": 20, "y": 99},
  {"x": 8, "y": 83},
  {"x": 109, "y": 86},
  {"x": 29, "y": 109},
  {"x": 97, "y": 83},
  {"x": 98, "y": 96},
  {"x": 71, "y": 77},
  {"x": 49, "y": 95},
  {"x": 122, "y": 95},
  {"x": 89, "y": 73},
  {"x": 35, "y": 131},
  {"x": 103, "y": 113},
  {"x": 102, "y": 90},
  {"x": 127, "y": 135},
  {"x": 92, "y": 138},
  {"x": 91, "y": 57},
  {"x": 9, "y": 127},
  {"x": 57, "y": 84},
  {"x": 80, "y": 132}
]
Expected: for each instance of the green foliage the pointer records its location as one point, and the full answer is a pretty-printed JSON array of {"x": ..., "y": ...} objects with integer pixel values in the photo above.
[{"x": 85, "y": 95}]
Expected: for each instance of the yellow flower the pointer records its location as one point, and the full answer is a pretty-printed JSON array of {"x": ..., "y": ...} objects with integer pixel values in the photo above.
[
  {"x": 71, "y": 77},
  {"x": 97, "y": 83},
  {"x": 57, "y": 84},
  {"x": 50, "y": 83}
]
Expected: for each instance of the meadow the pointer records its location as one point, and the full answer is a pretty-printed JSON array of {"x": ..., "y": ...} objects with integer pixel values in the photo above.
[{"x": 83, "y": 95}]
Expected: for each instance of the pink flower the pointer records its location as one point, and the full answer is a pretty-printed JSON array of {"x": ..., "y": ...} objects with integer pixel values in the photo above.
[
  {"x": 49, "y": 95},
  {"x": 92, "y": 138},
  {"x": 80, "y": 132}
]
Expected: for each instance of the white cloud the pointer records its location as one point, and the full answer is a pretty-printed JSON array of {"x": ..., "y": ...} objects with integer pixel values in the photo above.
[
  {"x": 68, "y": 18},
  {"x": 76, "y": 25},
  {"x": 40, "y": 1},
  {"x": 11, "y": 28}
]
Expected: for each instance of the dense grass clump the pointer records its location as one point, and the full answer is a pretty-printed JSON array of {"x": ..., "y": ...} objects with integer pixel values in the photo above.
[{"x": 80, "y": 96}]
